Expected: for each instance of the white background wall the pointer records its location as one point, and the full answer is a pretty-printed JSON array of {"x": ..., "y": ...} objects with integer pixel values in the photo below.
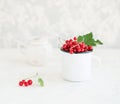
[{"x": 21, "y": 19}]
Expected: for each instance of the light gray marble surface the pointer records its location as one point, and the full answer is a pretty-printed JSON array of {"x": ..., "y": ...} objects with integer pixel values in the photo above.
[{"x": 21, "y": 19}]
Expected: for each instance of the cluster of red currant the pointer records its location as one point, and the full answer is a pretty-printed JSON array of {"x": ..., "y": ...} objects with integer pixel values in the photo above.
[
  {"x": 28, "y": 81},
  {"x": 73, "y": 46},
  {"x": 25, "y": 83}
]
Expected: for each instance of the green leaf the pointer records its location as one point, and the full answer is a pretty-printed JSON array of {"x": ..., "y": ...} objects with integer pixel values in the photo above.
[
  {"x": 88, "y": 39},
  {"x": 80, "y": 39},
  {"x": 89, "y": 35},
  {"x": 41, "y": 82},
  {"x": 98, "y": 42},
  {"x": 91, "y": 42}
]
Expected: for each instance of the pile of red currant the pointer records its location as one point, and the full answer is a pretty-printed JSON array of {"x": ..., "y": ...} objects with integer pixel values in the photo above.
[
  {"x": 73, "y": 46},
  {"x": 25, "y": 83}
]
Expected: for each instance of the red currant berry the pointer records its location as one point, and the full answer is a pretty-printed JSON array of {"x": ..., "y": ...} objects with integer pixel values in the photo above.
[
  {"x": 71, "y": 51},
  {"x": 90, "y": 48},
  {"x": 77, "y": 47},
  {"x": 74, "y": 42},
  {"x": 78, "y": 50},
  {"x": 70, "y": 43},
  {"x": 64, "y": 46},
  {"x": 82, "y": 45},
  {"x": 25, "y": 84},
  {"x": 75, "y": 38},
  {"x": 23, "y": 80},
  {"x": 29, "y": 82},
  {"x": 20, "y": 83},
  {"x": 74, "y": 50},
  {"x": 67, "y": 41},
  {"x": 82, "y": 50},
  {"x": 70, "y": 40},
  {"x": 86, "y": 47}
]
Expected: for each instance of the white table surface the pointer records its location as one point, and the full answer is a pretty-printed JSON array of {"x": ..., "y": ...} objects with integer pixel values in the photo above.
[{"x": 104, "y": 88}]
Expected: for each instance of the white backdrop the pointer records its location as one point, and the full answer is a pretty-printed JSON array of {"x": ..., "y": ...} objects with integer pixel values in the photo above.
[{"x": 21, "y": 19}]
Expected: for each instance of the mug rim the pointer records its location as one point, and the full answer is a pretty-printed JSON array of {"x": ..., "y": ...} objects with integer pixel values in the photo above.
[{"x": 76, "y": 53}]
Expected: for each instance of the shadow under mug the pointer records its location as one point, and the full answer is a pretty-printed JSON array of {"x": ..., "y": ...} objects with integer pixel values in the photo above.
[{"x": 77, "y": 67}]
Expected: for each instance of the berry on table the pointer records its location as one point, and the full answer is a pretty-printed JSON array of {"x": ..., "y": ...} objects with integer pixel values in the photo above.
[
  {"x": 25, "y": 84},
  {"x": 20, "y": 83},
  {"x": 23, "y": 80},
  {"x": 29, "y": 82}
]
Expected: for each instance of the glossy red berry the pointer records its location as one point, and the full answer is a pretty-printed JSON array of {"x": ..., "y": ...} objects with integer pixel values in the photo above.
[
  {"x": 74, "y": 42},
  {"x": 67, "y": 41},
  {"x": 75, "y": 38},
  {"x": 70, "y": 43},
  {"x": 23, "y": 80},
  {"x": 74, "y": 50},
  {"x": 82, "y": 45},
  {"x": 29, "y": 82},
  {"x": 64, "y": 46},
  {"x": 71, "y": 51},
  {"x": 78, "y": 50},
  {"x": 82, "y": 50},
  {"x": 90, "y": 48},
  {"x": 70, "y": 40},
  {"x": 20, "y": 83},
  {"x": 25, "y": 84}
]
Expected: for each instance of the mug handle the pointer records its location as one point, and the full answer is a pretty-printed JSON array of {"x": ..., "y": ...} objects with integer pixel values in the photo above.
[{"x": 98, "y": 60}]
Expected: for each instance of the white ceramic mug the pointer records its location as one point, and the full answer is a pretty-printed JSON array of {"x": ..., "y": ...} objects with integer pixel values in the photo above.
[{"x": 76, "y": 67}]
